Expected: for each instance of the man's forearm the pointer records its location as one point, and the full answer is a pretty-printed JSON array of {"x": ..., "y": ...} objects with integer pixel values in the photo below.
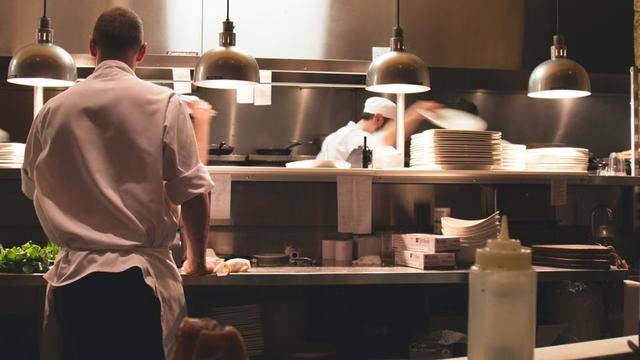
[{"x": 195, "y": 218}]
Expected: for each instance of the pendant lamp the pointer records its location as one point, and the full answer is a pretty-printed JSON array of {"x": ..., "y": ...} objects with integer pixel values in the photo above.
[
  {"x": 559, "y": 77},
  {"x": 398, "y": 71},
  {"x": 43, "y": 63},
  {"x": 227, "y": 66}
]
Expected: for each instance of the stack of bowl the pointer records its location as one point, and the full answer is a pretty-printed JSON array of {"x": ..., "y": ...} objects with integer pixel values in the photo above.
[{"x": 473, "y": 234}]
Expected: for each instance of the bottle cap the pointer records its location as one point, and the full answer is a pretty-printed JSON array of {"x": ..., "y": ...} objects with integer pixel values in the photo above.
[{"x": 503, "y": 252}]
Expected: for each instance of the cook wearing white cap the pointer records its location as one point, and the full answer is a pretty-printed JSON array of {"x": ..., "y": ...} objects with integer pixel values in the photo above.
[{"x": 377, "y": 123}]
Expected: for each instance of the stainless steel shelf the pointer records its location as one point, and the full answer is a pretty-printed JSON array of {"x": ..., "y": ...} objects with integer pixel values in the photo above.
[
  {"x": 328, "y": 276},
  {"x": 412, "y": 176},
  {"x": 321, "y": 66},
  {"x": 404, "y": 176}
]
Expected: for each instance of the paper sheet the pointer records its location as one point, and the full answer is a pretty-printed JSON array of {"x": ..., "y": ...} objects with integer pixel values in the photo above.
[
  {"x": 354, "y": 204},
  {"x": 182, "y": 76},
  {"x": 244, "y": 95},
  {"x": 262, "y": 91},
  {"x": 262, "y": 94},
  {"x": 221, "y": 197}
]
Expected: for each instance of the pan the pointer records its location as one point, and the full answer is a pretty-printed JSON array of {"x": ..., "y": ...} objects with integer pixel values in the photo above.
[
  {"x": 220, "y": 149},
  {"x": 279, "y": 151}
]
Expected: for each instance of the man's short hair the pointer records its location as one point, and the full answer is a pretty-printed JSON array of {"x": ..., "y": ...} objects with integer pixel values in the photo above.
[
  {"x": 118, "y": 32},
  {"x": 368, "y": 116}
]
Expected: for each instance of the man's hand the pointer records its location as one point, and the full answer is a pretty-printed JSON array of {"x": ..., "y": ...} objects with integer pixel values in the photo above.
[
  {"x": 189, "y": 268},
  {"x": 201, "y": 113},
  {"x": 413, "y": 113}
]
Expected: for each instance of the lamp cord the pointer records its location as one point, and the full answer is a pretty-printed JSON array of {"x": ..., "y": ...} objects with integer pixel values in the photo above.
[
  {"x": 45, "y": 9},
  {"x": 397, "y": 13},
  {"x": 227, "y": 10},
  {"x": 557, "y": 17}
]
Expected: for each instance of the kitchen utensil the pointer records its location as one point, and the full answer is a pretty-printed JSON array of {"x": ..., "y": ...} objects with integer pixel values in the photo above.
[
  {"x": 279, "y": 151},
  {"x": 617, "y": 166},
  {"x": 220, "y": 149},
  {"x": 602, "y": 229},
  {"x": 270, "y": 259},
  {"x": 328, "y": 249},
  {"x": 454, "y": 119},
  {"x": 440, "y": 149},
  {"x": 572, "y": 248},
  {"x": 344, "y": 252},
  {"x": 574, "y": 256}
]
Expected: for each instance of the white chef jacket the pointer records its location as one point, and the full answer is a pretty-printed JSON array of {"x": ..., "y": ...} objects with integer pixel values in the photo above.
[
  {"x": 107, "y": 163},
  {"x": 341, "y": 143}
]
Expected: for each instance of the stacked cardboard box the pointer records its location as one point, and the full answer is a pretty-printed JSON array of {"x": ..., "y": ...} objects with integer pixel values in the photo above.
[{"x": 425, "y": 251}]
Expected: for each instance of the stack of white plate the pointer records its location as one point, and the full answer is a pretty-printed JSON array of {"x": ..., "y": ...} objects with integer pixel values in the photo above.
[
  {"x": 561, "y": 159},
  {"x": 11, "y": 155},
  {"x": 440, "y": 149},
  {"x": 513, "y": 157},
  {"x": 473, "y": 234}
]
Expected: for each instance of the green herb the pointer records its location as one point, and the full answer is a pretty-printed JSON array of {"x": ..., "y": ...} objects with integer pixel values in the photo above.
[{"x": 27, "y": 258}]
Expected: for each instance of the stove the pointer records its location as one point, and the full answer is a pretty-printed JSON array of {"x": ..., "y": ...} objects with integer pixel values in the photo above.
[{"x": 256, "y": 159}]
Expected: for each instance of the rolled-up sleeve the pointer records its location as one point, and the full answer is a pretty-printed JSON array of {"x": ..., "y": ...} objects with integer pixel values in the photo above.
[
  {"x": 32, "y": 151},
  {"x": 184, "y": 175}
]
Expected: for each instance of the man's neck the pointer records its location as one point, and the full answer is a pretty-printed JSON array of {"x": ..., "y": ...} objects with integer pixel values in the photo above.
[
  {"x": 365, "y": 125},
  {"x": 129, "y": 63}
]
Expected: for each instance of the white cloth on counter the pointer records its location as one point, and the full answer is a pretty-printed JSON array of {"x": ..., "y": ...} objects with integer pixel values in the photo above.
[
  {"x": 236, "y": 265},
  {"x": 342, "y": 142},
  {"x": 107, "y": 163}
]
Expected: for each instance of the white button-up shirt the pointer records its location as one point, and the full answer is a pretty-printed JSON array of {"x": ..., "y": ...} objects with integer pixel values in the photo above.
[
  {"x": 343, "y": 141},
  {"x": 107, "y": 163}
]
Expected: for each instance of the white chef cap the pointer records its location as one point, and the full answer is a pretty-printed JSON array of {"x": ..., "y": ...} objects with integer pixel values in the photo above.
[{"x": 380, "y": 105}]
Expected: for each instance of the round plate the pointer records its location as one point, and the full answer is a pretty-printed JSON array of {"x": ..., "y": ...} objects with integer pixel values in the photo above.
[{"x": 454, "y": 119}]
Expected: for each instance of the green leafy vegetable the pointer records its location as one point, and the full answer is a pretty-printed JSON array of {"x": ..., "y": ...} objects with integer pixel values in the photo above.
[{"x": 27, "y": 258}]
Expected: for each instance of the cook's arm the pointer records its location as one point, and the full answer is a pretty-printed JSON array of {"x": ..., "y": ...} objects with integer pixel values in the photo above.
[
  {"x": 187, "y": 183},
  {"x": 412, "y": 119},
  {"x": 32, "y": 151},
  {"x": 201, "y": 114},
  {"x": 195, "y": 219}
]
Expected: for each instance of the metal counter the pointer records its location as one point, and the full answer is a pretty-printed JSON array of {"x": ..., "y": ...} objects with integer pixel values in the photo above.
[{"x": 328, "y": 275}]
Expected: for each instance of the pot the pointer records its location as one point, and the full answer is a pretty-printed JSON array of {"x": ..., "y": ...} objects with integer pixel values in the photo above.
[
  {"x": 220, "y": 149},
  {"x": 279, "y": 151}
]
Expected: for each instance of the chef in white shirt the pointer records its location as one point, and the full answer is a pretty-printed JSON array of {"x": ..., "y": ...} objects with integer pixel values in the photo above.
[
  {"x": 107, "y": 163},
  {"x": 377, "y": 123}
]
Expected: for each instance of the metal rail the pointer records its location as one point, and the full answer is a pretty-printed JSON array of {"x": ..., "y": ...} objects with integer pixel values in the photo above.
[{"x": 330, "y": 276}]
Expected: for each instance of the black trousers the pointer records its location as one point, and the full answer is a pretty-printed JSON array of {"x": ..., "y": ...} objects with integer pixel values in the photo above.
[{"x": 109, "y": 316}]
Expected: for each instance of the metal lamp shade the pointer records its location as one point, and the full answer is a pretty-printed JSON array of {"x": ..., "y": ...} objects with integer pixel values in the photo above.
[
  {"x": 42, "y": 64},
  {"x": 398, "y": 72},
  {"x": 226, "y": 67},
  {"x": 559, "y": 78}
]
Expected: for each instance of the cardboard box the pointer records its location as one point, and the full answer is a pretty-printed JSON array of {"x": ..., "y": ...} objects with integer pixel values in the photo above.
[
  {"x": 425, "y": 243},
  {"x": 424, "y": 261}
]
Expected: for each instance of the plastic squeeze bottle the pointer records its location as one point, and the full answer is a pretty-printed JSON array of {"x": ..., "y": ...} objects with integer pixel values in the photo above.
[{"x": 502, "y": 301}]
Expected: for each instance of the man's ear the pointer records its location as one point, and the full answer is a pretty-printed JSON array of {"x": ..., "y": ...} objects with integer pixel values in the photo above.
[
  {"x": 378, "y": 120},
  {"x": 93, "y": 49},
  {"x": 141, "y": 52}
]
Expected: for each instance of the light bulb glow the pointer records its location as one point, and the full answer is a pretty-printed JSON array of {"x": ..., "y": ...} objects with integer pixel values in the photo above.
[{"x": 558, "y": 94}]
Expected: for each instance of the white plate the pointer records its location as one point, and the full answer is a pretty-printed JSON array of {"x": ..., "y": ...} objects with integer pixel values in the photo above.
[
  {"x": 451, "y": 167},
  {"x": 454, "y": 119},
  {"x": 460, "y": 132},
  {"x": 318, "y": 164}
]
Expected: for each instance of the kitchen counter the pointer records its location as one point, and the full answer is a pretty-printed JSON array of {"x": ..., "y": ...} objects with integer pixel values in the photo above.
[
  {"x": 335, "y": 275},
  {"x": 598, "y": 349},
  {"x": 411, "y": 176},
  {"x": 404, "y": 176}
]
